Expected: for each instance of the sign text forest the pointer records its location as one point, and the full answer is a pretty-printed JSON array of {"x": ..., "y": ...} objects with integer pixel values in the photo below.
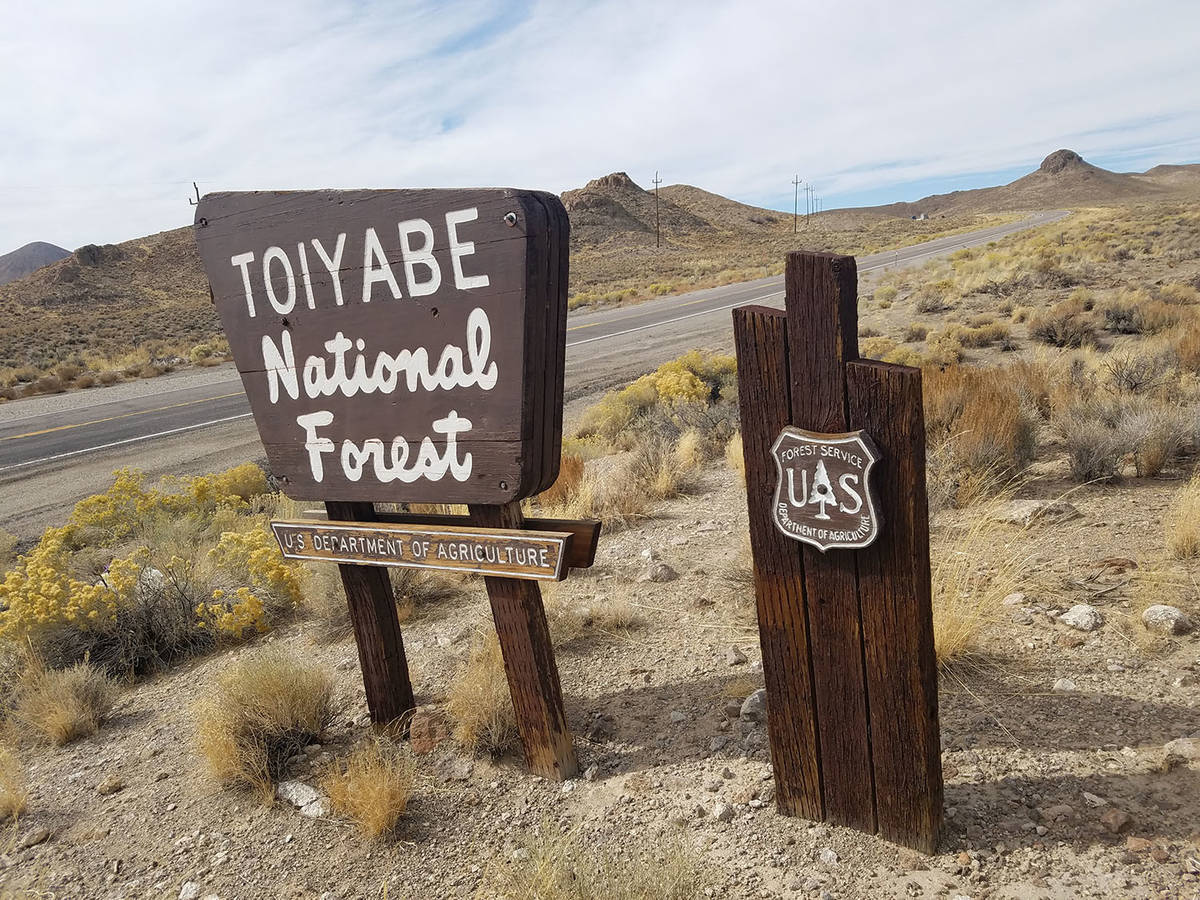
[{"x": 396, "y": 345}]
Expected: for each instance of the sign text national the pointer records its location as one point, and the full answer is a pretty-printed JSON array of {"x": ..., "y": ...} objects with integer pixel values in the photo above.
[{"x": 396, "y": 345}]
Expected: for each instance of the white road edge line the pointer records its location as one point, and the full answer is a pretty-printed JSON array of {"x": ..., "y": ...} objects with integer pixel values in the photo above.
[
  {"x": 703, "y": 312},
  {"x": 133, "y": 440}
]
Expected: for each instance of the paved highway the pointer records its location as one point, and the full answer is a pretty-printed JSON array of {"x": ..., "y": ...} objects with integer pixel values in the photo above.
[{"x": 54, "y": 450}]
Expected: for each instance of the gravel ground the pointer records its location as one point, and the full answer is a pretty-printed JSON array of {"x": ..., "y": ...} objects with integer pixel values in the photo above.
[{"x": 1049, "y": 793}]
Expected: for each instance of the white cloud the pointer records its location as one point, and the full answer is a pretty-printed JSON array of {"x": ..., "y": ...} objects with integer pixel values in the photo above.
[{"x": 108, "y": 111}]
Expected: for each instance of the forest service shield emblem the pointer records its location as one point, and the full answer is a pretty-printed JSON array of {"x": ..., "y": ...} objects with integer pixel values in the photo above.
[{"x": 823, "y": 493}]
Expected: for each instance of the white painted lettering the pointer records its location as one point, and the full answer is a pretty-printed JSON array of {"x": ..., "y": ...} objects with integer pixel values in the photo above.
[{"x": 459, "y": 249}]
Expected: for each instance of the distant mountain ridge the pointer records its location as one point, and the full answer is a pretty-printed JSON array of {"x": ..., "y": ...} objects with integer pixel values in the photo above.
[
  {"x": 30, "y": 258},
  {"x": 1063, "y": 179}
]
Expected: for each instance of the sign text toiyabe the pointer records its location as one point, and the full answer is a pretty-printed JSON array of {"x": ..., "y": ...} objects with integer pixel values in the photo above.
[{"x": 396, "y": 345}]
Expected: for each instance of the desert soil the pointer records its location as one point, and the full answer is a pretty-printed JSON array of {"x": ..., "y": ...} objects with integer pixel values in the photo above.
[{"x": 1032, "y": 773}]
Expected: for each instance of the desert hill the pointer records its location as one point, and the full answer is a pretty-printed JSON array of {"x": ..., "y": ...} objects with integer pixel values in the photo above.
[
  {"x": 152, "y": 293},
  {"x": 1064, "y": 179},
  {"x": 23, "y": 260}
]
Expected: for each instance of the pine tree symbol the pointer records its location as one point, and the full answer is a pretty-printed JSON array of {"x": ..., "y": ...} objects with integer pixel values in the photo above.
[{"x": 822, "y": 490}]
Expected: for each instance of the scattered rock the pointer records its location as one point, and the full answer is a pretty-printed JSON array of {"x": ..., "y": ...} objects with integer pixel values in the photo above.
[
  {"x": 722, "y": 812},
  {"x": 1046, "y": 512},
  {"x": 33, "y": 838},
  {"x": 590, "y": 773},
  {"x": 110, "y": 785},
  {"x": 828, "y": 857},
  {"x": 1015, "y": 599},
  {"x": 677, "y": 717},
  {"x": 1082, "y": 617},
  {"x": 1166, "y": 619},
  {"x": 427, "y": 728},
  {"x": 1094, "y": 801},
  {"x": 189, "y": 891},
  {"x": 1022, "y": 617},
  {"x": 315, "y": 810},
  {"x": 733, "y": 709},
  {"x": 1063, "y": 685},
  {"x": 754, "y": 709},
  {"x": 659, "y": 573},
  {"x": 460, "y": 768},
  {"x": 297, "y": 793},
  {"x": 734, "y": 656},
  {"x": 1056, "y": 812},
  {"x": 1137, "y": 844},
  {"x": 1186, "y": 749},
  {"x": 1116, "y": 820}
]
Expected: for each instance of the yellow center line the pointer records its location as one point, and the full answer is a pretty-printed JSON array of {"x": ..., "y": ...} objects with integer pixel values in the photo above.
[{"x": 13, "y": 437}]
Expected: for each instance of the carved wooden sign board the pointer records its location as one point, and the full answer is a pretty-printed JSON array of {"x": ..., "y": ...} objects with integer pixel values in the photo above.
[
  {"x": 407, "y": 346},
  {"x": 398, "y": 345},
  {"x": 823, "y": 493}
]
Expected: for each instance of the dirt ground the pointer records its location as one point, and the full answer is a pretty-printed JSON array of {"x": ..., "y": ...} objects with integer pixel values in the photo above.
[{"x": 1030, "y": 771}]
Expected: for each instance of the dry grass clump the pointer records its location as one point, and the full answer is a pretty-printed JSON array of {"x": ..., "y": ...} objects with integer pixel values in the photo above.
[
  {"x": 617, "y": 614},
  {"x": 735, "y": 456},
  {"x": 560, "y": 865},
  {"x": 981, "y": 433},
  {"x": 1182, "y": 522},
  {"x": 372, "y": 787},
  {"x": 570, "y": 475},
  {"x": 13, "y": 792},
  {"x": 265, "y": 708},
  {"x": 479, "y": 704},
  {"x": 1066, "y": 324},
  {"x": 62, "y": 705},
  {"x": 973, "y": 570},
  {"x": 915, "y": 332}
]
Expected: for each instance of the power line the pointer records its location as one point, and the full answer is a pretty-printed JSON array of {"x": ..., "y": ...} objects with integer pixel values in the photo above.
[
  {"x": 657, "y": 232},
  {"x": 796, "y": 204}
]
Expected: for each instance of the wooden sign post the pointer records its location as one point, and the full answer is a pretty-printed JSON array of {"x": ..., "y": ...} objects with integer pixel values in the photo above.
[
  {"x": 845, "y": 616},
  {"x": 408, "y": 347}
]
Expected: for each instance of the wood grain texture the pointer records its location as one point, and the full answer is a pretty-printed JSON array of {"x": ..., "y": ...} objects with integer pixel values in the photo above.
[
  {"x": 529, "y": 660},
  {"x": 822, "y": 326},
  {"x": 761, "y": 340},
  {"x": 894, "y": 588},
  {"x": 376, "y": 629}
]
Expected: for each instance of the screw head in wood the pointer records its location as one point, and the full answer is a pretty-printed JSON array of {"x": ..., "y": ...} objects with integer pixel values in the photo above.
[{"x": 510, "y": 219}]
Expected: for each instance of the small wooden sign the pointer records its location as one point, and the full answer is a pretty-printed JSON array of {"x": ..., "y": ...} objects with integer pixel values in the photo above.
[
  {"x": 823, "y": 492},
  {"x": 396, "y": 345},
  {"x": 536, "y": 555}
]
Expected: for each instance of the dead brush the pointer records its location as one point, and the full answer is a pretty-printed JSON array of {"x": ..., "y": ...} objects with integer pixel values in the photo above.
[
  {"x": 561, "y": 865},
  {"x": 1181, "y": 524},
  {"x": 735, "y": 457},
  {"x": 570, "y": 476},
  {"x": 14, "y": 793},
  {"x": 974, "y": 567},
  {"x": 372, "y": 787},
  {"x": 264, "y": 709},
  {"x": 479, "y": 704},
  {"x": 62, "y": 705}
]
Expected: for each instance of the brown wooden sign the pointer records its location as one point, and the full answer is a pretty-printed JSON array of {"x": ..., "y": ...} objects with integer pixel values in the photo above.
[
  {"x": 538, "y": 555},
  {"x": 399, "y": 345},
  {"x": 847, "y": 634},
  {"x": 823, "y": 493}
]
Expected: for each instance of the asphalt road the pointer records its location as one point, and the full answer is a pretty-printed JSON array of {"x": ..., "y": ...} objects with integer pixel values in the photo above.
[{"x": 53, "y": 451}]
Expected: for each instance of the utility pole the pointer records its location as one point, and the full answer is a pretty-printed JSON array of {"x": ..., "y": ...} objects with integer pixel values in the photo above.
[
  {"x": 796, "y": 205},
  {"x": 657, "y": 231}
]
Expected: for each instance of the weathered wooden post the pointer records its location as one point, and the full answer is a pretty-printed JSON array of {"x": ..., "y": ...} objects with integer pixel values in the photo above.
[
  {"x": 835, "y": 479},
  {"x": 408, "y": 346}
]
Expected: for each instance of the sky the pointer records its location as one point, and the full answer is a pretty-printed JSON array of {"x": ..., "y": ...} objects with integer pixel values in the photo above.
[{"x": 109, "y": 111}]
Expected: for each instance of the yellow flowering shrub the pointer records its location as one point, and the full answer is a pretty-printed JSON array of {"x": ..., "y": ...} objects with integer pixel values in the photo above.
[
  {"x": 693, "y": 378},
  {"x": 233, "y": 487},
  {"x": 233, "y": 618},
  {"x": 274, "y": 582},
  {"x": 40, "y": 592}
]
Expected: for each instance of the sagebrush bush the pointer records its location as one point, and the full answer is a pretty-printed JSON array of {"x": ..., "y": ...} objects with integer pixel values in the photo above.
[
  {"x": 570, "y": 474},
  {"x": 1066, "y": 324},
  {"x": 372, "y": 787},
  {"x": 1091, "y": 439},
  {"x": 62, "y": 705},
  {"x": 478, "y": 703},
  {"x": 265, "y": 708}
]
